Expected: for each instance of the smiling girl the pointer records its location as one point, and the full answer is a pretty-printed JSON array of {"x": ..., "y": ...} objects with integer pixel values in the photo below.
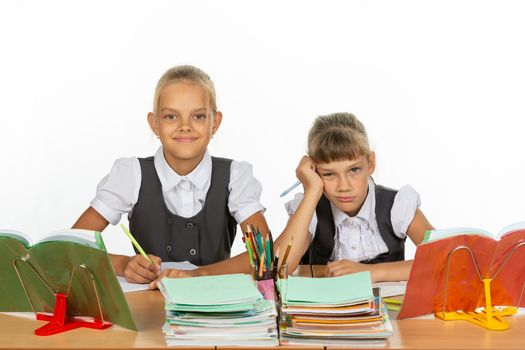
[{"x": 182, "y": 203}]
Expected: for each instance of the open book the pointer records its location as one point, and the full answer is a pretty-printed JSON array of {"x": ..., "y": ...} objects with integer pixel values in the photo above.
[
  {"x": 455, "y": 261},
  {"x": 85, "y": 237},
  {"x": 72, "y": 262}
]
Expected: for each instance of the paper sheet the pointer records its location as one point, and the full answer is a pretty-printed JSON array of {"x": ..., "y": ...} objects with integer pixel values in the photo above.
[{"x": 128, "y": 287}]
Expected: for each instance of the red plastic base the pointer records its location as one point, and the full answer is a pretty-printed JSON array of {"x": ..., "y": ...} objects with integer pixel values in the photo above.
[{"x": 58, "y": 322}]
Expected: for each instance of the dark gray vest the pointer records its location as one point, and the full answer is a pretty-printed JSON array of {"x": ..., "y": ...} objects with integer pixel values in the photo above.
[
  {"x": 202, "y": 239},
  {"x": 322, "y": 245}
]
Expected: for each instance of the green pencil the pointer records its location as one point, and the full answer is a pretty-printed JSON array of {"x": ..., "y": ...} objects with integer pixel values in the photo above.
[{"x": 135, "y": 243}]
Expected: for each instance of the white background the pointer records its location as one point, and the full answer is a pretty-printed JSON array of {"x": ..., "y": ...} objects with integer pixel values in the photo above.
[{"x": 439, "y": 85}]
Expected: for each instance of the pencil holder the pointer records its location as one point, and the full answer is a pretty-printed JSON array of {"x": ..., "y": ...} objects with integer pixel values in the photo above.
[
  {"x": 260, "y": 273},
  {"x": 265, "y": 282}
]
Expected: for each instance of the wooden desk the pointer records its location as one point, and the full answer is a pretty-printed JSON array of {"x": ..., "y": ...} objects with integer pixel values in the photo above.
[{"x": 148, "y": 311}]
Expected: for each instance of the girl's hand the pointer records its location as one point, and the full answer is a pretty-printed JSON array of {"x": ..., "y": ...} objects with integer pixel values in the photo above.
[
  {"x": 345, "y": 267},
  {"x": 173, "y": 273},
  {"x": 306, "y": 173},
  {"x": 139, "y": 270}
]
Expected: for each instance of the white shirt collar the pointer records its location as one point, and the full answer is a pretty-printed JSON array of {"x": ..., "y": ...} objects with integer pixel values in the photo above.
[
  {"x": 367, "y": 211},
  {"x": 170, "y": 179}
]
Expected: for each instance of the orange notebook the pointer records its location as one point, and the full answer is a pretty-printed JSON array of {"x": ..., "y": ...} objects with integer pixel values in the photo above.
[{"x": 500, "y": 257}]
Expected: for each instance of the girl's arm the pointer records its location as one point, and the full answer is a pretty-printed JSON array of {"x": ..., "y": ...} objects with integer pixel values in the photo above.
[
  {"x": 299, "y": 223},
  {"x": 391, "y": 271},
  {"x": 135, "y": 268},
  {"x": 418, "y": 226}
]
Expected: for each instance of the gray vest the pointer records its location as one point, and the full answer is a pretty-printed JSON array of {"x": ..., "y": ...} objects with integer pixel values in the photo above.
[
  {"x": 202, "y": 239},
  {"x": 322, "y": 245}
]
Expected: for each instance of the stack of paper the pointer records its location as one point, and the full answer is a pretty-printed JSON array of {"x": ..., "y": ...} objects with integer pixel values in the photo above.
[
  {"x": 332, "y": 311},
  {"x": 225, "y": 310}
]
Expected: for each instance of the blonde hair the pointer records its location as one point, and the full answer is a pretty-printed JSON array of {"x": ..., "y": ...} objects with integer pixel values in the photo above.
[
  {"x": 186, "y": 73},
  {"x": 337, "y": 136}
]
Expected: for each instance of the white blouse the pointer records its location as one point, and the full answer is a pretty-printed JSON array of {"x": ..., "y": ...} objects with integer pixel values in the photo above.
[
  {"x": 357, "y": 238},
  {"x": 118, "y": 192}
]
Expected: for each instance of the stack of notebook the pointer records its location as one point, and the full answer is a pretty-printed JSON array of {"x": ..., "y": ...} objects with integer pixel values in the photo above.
[
  {"x": 225, "y": 310},
  {"x": 332, "y": 311}
]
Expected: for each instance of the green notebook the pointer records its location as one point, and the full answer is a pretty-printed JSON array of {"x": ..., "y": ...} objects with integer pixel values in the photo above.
[
  {"x": 223, "y": 293},
  {"x": 342, "y": 290},
  {"x": 54, "y": 258}
]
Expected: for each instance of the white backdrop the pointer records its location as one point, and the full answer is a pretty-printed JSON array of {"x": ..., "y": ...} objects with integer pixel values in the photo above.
[{"x": 440, "y": 86}]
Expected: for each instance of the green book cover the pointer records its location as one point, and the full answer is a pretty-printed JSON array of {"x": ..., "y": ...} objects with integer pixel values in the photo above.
[
  {"x": 55, "y": 258},
  {"x": 223, "y": 293},
  {"x": 346, "y": 289}
]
